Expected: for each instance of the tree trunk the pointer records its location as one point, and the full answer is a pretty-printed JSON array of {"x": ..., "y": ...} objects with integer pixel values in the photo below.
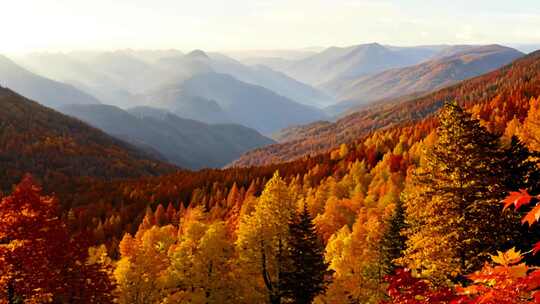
[{"x": 11, "y": 293}]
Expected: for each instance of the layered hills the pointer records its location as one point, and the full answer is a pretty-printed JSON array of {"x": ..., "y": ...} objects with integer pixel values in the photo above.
[
  {"x": 132, "y": 78},
  {"x": 446, "y": 68},
  {"x": 315, "y": 138},
  {"x": 49, "y": 92},
  {"x": 56, "y": 148},
  {"x": 184, "y": 142},
  {"x": 250, "y": 105}
]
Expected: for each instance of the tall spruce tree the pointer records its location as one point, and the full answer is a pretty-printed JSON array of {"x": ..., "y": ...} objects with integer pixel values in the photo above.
[
  {"x": 453, "y": 202},
  {"x": 393, "y": 242},
  {"x": 308, "y": 273}
]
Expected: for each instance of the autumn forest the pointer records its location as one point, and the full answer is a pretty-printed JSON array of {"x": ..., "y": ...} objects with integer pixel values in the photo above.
[{"x": 366, "y": 174}]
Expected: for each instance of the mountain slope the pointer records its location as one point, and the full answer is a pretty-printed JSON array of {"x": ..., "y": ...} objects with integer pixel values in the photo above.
[
  {"x": 49, "y": 92},
  {"x": 268, "y": 78},
  {"x": 187, "y": 143},
  {"x": 448, "y": 67},
  {"x": 57, "y": 149},
  {"x": 250, "y": 105},
  {"x": 124, "y": 69},
  {"x": 68, "y": 69},
  {"x": 189, "y": 107},
  {"x": 343, "y": 63},
  {"x": 519, "y": 80}
]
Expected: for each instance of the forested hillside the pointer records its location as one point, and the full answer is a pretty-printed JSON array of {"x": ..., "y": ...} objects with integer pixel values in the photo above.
[
  {"x": 360, "y": 213},
  {"x": 412, "y": 210},
  {"x": 59, "y": 150}
]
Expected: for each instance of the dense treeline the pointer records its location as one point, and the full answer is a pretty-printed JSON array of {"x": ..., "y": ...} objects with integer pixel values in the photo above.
[
  {"x": 425, "y": 199},
  {"x": 41, "y": 261},
  {"x": 427, "y": 203},
  {"x": 353, "y": 214}
]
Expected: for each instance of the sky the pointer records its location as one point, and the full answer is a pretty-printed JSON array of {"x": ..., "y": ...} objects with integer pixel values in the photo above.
[{"x": 216, "y": 25}]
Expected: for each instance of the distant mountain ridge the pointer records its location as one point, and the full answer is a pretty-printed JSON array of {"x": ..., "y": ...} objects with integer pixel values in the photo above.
[
  {"x": 336, "y": 63},
  {"x": 250, "y": 105},
  {"x": 273, "y": 80},
  {"x": 187, "y": 143},
  {"x": 449, "y": 66},
  {"x": 127, "y": 78},
  {"x": 49, "y": 92},
  {"x": 137, "y": 71}
]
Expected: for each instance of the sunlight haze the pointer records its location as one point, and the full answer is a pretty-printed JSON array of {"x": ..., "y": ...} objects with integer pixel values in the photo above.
[{"x": 61, "y": 25}]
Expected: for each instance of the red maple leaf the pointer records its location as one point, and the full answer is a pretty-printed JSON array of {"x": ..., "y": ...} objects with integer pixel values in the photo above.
[
  {"x": 532, "y": 216},
  {"x": 536, "y": 248},
  {"x": 517, "y": 199}
]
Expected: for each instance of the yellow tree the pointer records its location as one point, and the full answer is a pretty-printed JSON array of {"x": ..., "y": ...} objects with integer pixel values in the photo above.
[
  {"x": 530, "y": 132},
  {"x": 141, "y": 271},
  {"x": 201, "y": 269},
  {"x": 432, "y": 245},
  {"x": 316, "y": 199},
  {"x": 343, "y": 150},
  {"x": 354, "y": 255},
  {"x": 262, "y": 240},
  {"x": 337, "y": 213}
]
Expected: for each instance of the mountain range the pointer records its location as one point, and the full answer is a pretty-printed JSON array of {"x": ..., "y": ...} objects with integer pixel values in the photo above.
[
  {"x": 250, "y": 105},
  {"x": 184, "y": 142},
  {"x": 126, "y": 78},
  {"x": 339, "y": 63},
  {"x": 405, "y": 110},
  {"x": 360, "y": 74},
  {"x": 448, "y": 66}
]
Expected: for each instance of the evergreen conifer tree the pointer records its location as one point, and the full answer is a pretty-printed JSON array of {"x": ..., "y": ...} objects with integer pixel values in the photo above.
[
  {"x": 393, "y": 242},
  {"x": 308, "y": 272},
  {"x": 453, "y": 202}
]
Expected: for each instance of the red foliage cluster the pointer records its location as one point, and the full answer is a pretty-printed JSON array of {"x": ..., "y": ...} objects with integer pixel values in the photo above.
[
  {"x": 523, "y": 198},
  {"x": 40, "y": 260},
  {"x": 509, "y": 282},
  {"x": 403, "y": 288}
]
